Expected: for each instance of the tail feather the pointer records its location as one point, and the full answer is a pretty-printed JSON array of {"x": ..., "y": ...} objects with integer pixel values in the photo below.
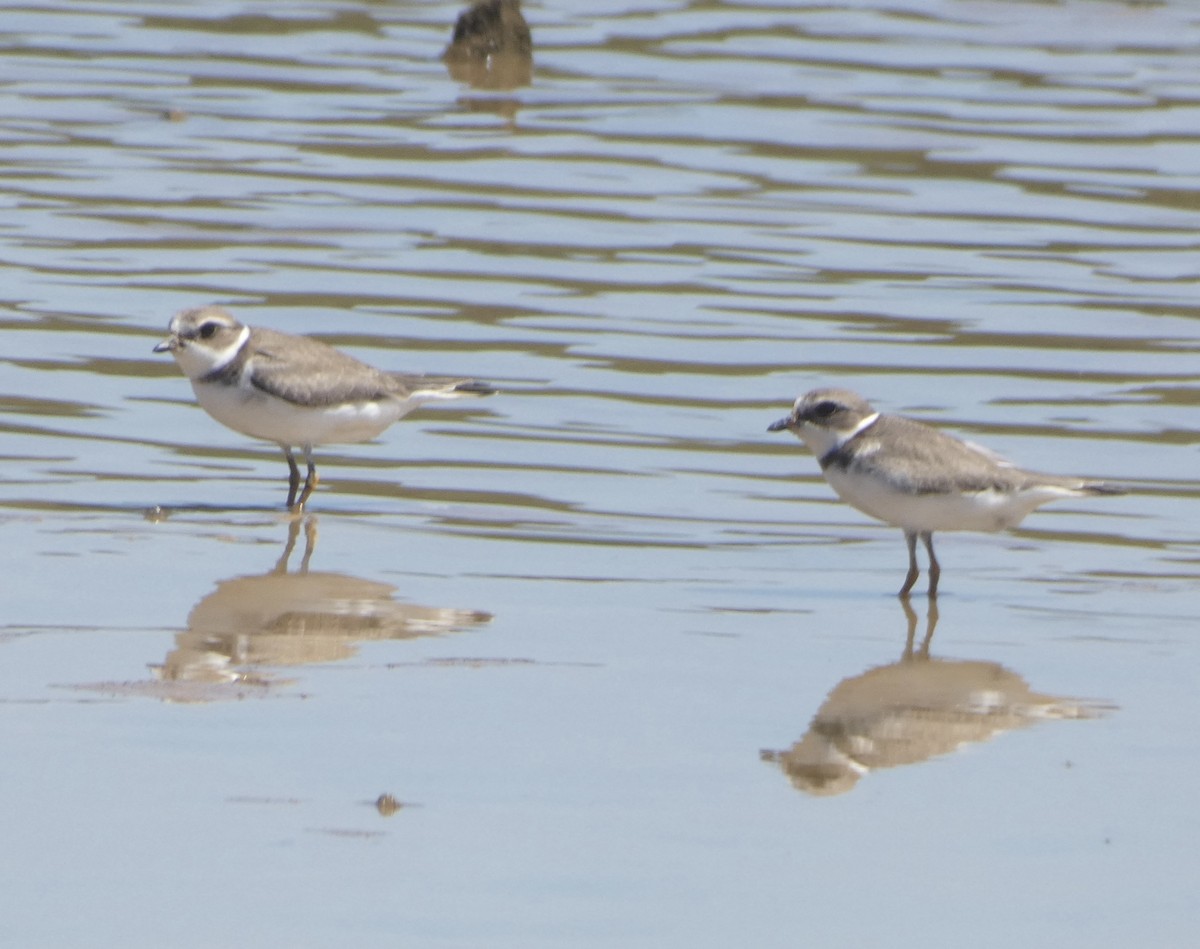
[
  {"x": 1101, "y": 487},
  {"x": 473, "y": 387},
  {"x": 426, "y": 388},
  {"x": 1070, "y": 486}
]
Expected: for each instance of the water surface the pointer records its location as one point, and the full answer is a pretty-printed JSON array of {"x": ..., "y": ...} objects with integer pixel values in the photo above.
[{"x": 577, "y": 629}]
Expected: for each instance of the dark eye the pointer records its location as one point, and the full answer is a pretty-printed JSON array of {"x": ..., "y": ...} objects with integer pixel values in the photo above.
[
  {"x": 208, "y": 330},
  {"x": 824, "y": 409}
]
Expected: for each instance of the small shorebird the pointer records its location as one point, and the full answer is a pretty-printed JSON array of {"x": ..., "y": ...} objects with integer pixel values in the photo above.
[
  {"x": 914, "y": 477},
  {"x": 293, "y": 390}
]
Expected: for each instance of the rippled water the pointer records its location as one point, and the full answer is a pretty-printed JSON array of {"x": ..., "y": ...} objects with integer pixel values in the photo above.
[{"x": 592, "y": 632}]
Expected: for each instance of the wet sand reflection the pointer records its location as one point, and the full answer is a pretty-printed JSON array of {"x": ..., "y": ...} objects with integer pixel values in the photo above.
[
  {"x": 248, "y": 626},
  {"x": 913, "y": 710}
]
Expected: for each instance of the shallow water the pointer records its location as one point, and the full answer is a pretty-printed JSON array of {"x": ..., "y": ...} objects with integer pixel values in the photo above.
[{"x": 591, "y": 632}]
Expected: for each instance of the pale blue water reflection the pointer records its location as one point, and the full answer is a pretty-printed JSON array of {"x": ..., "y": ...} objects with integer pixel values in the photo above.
[{"x": 981, "y": 213}]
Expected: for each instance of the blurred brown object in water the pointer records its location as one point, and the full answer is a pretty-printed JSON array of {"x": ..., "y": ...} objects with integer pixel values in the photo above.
[{"x": 491, "y": 46}]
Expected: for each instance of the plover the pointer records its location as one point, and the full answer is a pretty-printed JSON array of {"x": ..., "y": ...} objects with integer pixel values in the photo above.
[
  {"x": 294, "y": 390},
  {"x": 917, "y": 478}
]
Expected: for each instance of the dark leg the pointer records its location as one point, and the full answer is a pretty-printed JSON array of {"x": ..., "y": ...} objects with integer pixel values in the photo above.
[
  {"x": 910, "y": 538},
  {"x": 310, "y": 482},
  {"x": 293, "y": 475},
  {"x": 935, "y": 571}
]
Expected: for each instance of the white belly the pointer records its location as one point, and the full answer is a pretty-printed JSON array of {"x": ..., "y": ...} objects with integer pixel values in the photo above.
[
  {"x": 979, "y": 511},
  {"x": 254, "y": 413}
]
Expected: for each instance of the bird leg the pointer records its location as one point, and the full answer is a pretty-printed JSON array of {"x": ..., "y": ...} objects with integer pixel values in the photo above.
[
  {"x": 310, "y": 482},
  {"x": 910, "y": 538},
  {"x": 935, "y": 570},
  {"x": 293, "y": 476}
]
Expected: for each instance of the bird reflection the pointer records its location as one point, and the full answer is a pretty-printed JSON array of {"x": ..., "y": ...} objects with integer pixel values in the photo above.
[
  {"x": 287, "y": 618},
  {"x": 913, "y": 710}
]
